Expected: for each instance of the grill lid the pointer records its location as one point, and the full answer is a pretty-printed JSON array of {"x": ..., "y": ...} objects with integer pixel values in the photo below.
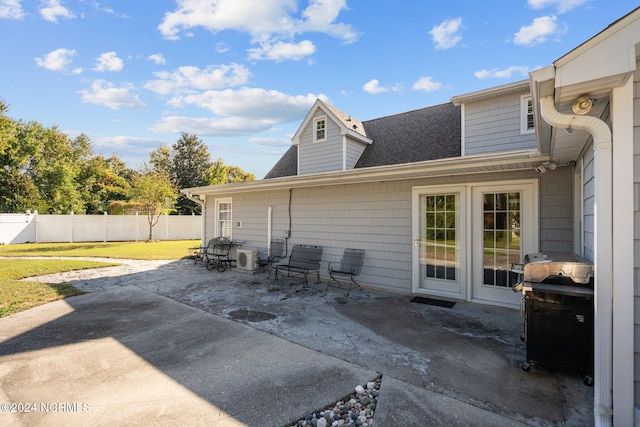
[{"x": 545, "y": 266}]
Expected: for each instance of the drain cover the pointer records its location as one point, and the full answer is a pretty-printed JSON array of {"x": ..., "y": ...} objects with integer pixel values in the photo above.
[{"x": 251, "y": 315}]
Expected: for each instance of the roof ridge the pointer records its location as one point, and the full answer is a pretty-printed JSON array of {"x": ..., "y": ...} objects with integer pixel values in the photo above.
[{"x": 407, "y": 112}]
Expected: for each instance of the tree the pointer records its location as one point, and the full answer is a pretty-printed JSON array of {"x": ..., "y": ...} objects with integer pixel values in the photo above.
[
  {"x": 103, "y": 181},
  {"x": 154, "y": 193},
  {"x": 219, "y": 173},
  {"x": 190, "y": 160},
  {"x": 160, "y": 160}
]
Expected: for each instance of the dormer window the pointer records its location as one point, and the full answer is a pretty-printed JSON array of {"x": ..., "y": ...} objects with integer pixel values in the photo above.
[
  {"x": 526, "y": 114},
  {"x": 320, "y": 129}
]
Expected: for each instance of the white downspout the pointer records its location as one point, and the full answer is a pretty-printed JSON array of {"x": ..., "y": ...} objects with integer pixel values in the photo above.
[
  {"x": 269, "y": 218},
  {"x": 203, "y": 237},
  {"x": 603, "y": 244}
]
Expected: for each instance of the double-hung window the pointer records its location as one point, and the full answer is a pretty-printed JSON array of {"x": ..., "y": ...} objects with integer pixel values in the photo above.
[
  {"x": 319, "y": 129},
  {"x": 223, "y": 217},
  {"x": 526, "y": 114}
]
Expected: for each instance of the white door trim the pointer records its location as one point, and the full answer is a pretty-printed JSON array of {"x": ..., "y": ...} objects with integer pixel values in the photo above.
[
  {"x": 530, "y": 245},
  {"x": 463, "y": 239}
]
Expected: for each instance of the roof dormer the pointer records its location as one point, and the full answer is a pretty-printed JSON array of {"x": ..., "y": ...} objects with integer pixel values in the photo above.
[{"x": 329, "y": 140}]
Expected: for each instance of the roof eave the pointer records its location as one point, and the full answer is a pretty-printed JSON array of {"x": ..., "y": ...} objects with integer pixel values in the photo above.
[
  {"x": 482, "y": 163},
  {"x": 516, "y": 87}
]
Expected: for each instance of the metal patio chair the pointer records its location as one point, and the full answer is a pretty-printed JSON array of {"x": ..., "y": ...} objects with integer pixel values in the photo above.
[
  {"x": 217, "y": 256},
  {"x": 348, "y": 267},
  {"x": 199, "y": 252},
  {"x": 268, "y": 258}
]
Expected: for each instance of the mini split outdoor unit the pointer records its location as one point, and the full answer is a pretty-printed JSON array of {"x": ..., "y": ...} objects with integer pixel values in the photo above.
[{"x": 247, "y": 259}]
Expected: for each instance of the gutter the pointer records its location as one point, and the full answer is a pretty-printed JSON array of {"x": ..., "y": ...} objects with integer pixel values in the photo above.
[
  {"x": 472, "y": 164},
  {"x": 603, "y": 251}
]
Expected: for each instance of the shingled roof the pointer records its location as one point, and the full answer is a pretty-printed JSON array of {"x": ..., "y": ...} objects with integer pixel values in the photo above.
[{"x": 426, "y": 134}]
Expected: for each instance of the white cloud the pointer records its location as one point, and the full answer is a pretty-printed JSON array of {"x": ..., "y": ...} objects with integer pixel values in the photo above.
[
  {"x": 252, "y": 103},
  {"x": 320, "y": 16},
  {"x": 158, "y": 58},
  {"x": 108, "y": 61},
  {"x": 123, "y": 141},
  {"x": 502, "y": 74},
  {"x": 109, "y": 95},
  {"x": 188, "y": 79},
  {"x": 373, "y": 87},
  {"x": 538, "y": 32},
  {"x": 271, "y": 142},
  {"x": 56, "y": 60},
  {"x": 51, "y": 10},
  {"x": 272, "y": 24},
  {"x": 238, "y": 112},
  {"x": 427, "y": 84},
  {"x": 281, "y": 51},
  {"x": 11, "y": 9},
  {"x": 446, "y": 34},
  {"x": 210, "y": 126},
  {"x": 561, "y": 5}
]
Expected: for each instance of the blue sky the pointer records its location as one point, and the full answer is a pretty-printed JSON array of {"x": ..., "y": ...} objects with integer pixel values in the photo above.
[{"x": 242, "y": 74}]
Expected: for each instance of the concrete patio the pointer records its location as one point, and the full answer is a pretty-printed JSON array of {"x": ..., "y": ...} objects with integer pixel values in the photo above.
[{"x": 171, "y": 343}]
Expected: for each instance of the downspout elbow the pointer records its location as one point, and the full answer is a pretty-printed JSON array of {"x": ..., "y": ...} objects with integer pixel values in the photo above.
[
  {"x": 597, "y": 128},
  {"x": 189, "y": 196}
]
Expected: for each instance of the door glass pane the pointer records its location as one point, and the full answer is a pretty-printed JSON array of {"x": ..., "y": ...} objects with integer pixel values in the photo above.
[
  {"x": 501, "y": 237},
  {"x": 439, "y": 249}
]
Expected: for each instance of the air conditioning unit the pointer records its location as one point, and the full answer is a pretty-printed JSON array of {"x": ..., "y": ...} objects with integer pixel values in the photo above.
[{"x": 247, "y": 259}]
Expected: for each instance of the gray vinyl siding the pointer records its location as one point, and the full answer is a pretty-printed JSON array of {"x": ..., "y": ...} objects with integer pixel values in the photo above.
[
  {"x": 354, "y": 151},
  {"x": 588, "y": 211},
  {"x": 556, "y": 210},
  {"x": 636, "y": 207},
  {"x": 493, "y": 125},
  {"x": 376, "y": 217},
  {"x": 324, "y": 156}
]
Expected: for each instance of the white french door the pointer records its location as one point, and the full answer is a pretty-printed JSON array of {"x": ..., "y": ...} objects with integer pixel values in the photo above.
[
  {"x": 439, "y": 241},
  {"x": 504, "y": 227}
]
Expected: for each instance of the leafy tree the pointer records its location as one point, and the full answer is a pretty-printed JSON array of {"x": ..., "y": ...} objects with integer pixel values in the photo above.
[
  {"x": 219, "y": 173},
  {"x": 190, "y": 160},
  {"x": 160, "y": 160},
  {"x": 53, "y": 167},
  {"x": 154, "y": 193},
  {"x": 103, "y": 181}
]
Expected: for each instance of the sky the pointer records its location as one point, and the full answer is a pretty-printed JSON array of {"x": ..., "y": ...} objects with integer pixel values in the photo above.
[{"x": 242, "y": 75}]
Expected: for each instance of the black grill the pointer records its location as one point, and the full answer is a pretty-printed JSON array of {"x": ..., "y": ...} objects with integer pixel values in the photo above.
[{"x": 557, "y": 310}]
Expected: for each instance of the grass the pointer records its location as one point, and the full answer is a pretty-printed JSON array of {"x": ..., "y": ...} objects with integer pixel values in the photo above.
[
  {"x": 17, "y": 295},
  {"x": 174, "y": 249}
]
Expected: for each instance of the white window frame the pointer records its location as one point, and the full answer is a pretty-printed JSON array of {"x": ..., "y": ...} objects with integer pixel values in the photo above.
[
  {"x": 315, "y": 129},
  {"x": 217, "y": 222},
  {"x": 525, "y": 113}
]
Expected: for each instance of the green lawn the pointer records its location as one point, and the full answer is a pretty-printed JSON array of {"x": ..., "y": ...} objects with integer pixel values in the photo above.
[
  {"x": 174, "y": 249},
  {"x": 16, "y": 295}
]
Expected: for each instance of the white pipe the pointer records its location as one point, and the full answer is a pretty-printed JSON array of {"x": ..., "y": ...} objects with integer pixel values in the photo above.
[
  {"x": 603, "y": 244},
  {"x": 269, "y": 217}
]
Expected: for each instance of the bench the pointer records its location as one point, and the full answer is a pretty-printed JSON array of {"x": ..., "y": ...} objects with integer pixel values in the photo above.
[
  {"x": 199, "y": 252},
  {"x": 304, "y": 259},
  {"x": 217, "y": 254}
]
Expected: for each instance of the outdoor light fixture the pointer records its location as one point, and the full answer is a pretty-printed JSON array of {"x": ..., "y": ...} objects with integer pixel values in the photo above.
[
  {"x": 582, "y": 105},
  {"x": 545, "y": 166}
]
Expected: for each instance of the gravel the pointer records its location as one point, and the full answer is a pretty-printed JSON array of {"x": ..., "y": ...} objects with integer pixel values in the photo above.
[{"x": 357, "y": 409}]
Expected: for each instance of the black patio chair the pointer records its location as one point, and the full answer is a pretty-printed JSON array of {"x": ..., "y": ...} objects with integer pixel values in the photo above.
[
  {"x": 348, "y": 267},
  {"x": 268, "y": 258},
  {"x": 217, "y": 256},
  {"x": 199, "y": 252}
]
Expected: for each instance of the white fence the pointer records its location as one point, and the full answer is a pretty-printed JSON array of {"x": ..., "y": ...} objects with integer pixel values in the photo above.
[{"x": 32, "y": 227}]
